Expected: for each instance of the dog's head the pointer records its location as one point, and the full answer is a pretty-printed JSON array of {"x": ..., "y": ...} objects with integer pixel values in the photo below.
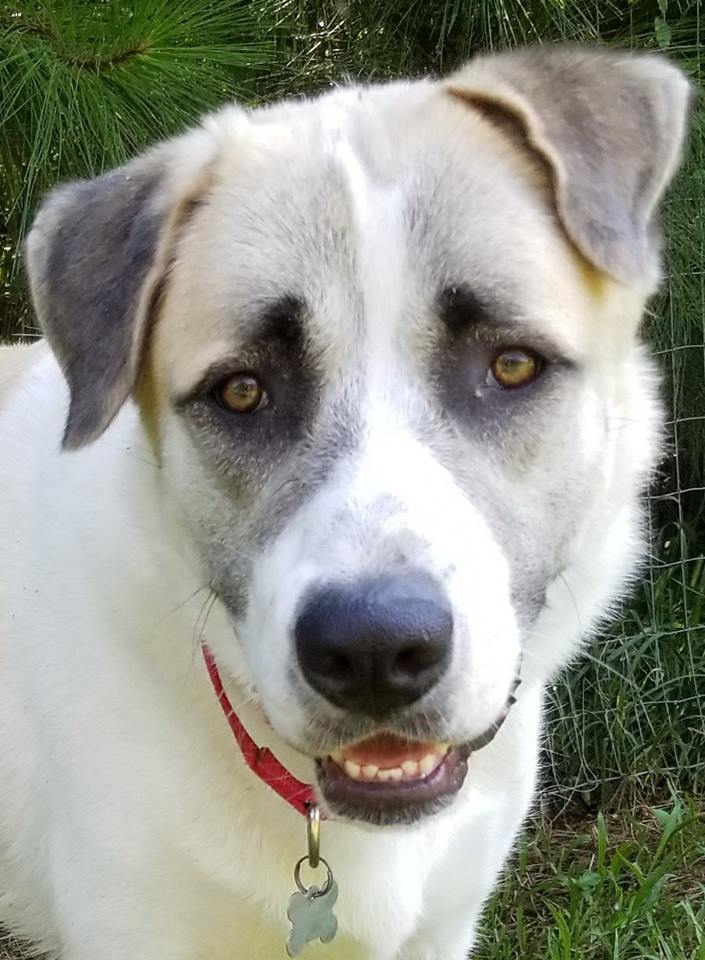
[{"x": 384, "y": 344}]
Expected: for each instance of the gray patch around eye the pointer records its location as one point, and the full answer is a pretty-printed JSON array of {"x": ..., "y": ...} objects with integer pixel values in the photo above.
[
  {"x": 260, "y": 490},
  {"x": 333, "y": 438},
  {"x": 461, "y": 308},
  {"x": 497, "y": 466},
  {"x": 471, "y": 403}
]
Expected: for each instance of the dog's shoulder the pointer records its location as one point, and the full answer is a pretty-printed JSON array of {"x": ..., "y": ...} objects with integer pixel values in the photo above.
[{"x": 15, "y": 361}]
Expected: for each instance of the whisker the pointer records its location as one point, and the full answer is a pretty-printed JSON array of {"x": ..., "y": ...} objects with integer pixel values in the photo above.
[
  {"x": 183, "y": 603},
  {"x": 202, "y": 619}
]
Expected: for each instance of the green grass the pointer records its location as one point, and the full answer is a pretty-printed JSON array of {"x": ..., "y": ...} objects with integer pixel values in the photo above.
[
  {"x": 626, "y": 886},
  {"x": 630, "y": 716}
]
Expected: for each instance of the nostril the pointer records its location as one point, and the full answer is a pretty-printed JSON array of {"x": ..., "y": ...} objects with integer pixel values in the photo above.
[
  {"x": 337, "y": 667},
  {"x": 414, "y": 661}
]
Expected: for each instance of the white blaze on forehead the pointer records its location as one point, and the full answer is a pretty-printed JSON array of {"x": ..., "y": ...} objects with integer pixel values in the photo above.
[{"x": 376, "y": 214}]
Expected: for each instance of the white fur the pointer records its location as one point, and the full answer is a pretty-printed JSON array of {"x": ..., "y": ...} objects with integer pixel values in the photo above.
[{"x": 154, "y": 810}]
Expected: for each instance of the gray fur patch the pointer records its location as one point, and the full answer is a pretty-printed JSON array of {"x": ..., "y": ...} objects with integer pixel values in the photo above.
[
  {"x": 90, "y": 252},
  {"x": 609, "y": 127}
]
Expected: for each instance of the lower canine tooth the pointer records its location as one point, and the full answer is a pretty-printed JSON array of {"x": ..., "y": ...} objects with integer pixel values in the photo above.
[
  {"x": 369, "y": 771},
  {"x": 352, "y": 769},
  {"x": 428, "y": 763}
]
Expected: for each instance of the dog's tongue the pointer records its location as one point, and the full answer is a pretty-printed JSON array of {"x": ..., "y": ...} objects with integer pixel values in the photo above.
[{"x": 387, "y": 751}]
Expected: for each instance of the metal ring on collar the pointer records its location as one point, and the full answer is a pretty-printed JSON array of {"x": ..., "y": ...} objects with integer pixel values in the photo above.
[{"x": 313, "y": 892}]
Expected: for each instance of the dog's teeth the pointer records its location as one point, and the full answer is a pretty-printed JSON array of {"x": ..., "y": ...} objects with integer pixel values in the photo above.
[
  {"x": 408, "y": 770},
  {"x": 428, "y": 764},
  {"x": 352, "y": 769}
]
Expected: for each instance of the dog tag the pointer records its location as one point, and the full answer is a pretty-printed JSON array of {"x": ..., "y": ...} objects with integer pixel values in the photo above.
[{"x": 310, "y": 913}]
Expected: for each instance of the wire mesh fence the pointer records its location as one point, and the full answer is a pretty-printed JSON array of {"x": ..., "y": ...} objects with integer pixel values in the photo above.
[
  {"x": 632, "y": 715},
  {"x": 11, "y": 949}
]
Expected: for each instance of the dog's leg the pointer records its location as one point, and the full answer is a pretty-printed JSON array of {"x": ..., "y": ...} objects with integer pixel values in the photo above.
[
  {"x": 457, "y": 895},
  {"x": 115, "y": 928},
  {"x": 123, "y": 940},
  {"x": 177, "y": 915},
  {"x": 448, "y": 936},
  {"x": 445, "y": 947},
  {"x": 461, "y": 882},
  {"x": 139, "y": 937}
]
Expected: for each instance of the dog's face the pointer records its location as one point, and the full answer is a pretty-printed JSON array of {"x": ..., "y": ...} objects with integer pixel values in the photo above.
[{"x": 384, "y": 360}]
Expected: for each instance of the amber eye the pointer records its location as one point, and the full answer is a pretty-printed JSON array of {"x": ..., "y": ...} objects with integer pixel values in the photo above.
[
  {"x": 242, "y": 393},
  {"x": 515, "y": 368}
]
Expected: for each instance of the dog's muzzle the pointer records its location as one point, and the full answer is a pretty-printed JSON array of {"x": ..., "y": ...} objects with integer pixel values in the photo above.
[{"x": 374, "y": 648}]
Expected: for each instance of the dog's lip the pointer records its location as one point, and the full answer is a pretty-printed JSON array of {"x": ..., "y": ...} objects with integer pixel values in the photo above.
[
  {"x": 427, "y": 775},
  {"x": 405, "y": 798}
]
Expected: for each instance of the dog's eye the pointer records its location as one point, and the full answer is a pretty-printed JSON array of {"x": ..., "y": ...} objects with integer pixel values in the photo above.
[
  {"x": 241, "y": 393},
  {"x": 515, "y": 367}
]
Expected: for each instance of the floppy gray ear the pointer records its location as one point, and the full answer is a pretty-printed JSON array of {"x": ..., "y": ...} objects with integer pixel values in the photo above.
[
  {"x": 96, "y": 255},
  {"x": 610, "y": 127}
]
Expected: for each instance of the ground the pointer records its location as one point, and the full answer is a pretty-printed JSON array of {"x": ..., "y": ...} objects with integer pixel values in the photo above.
[{"x": 624, "y": 885}]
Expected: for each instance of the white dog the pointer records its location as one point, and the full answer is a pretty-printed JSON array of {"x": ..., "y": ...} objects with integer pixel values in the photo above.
[{"x": 356, "y": 409}]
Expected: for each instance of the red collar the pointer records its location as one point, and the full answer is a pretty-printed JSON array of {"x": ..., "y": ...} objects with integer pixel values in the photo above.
[{"x": 260, "y": 759}]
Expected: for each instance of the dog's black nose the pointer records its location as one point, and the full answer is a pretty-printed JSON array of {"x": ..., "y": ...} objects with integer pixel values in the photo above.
[{"x": 376, "y": 645}]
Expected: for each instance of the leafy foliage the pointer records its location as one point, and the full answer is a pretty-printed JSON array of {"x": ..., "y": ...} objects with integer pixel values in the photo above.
[
  {"x": 85, "y": 84},
  {"x": 363, "y": 39}
]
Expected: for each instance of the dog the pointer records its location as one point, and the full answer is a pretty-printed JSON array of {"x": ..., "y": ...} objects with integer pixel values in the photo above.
[{"x": 331, "y": 458}]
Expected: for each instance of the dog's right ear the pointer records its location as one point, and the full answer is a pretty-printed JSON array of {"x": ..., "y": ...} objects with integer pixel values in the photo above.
[
  {"x": 96, "y": 256},
  {"x": 609, "y": 127}
]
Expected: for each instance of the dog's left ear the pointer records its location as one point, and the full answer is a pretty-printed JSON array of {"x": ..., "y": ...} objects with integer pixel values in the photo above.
[
  {"x": 609, "y": 126},
  {"x": 96, "y": 256}
]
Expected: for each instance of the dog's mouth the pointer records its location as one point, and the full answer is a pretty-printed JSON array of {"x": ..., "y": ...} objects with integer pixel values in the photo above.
[{"x": 387, "y": 779}]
